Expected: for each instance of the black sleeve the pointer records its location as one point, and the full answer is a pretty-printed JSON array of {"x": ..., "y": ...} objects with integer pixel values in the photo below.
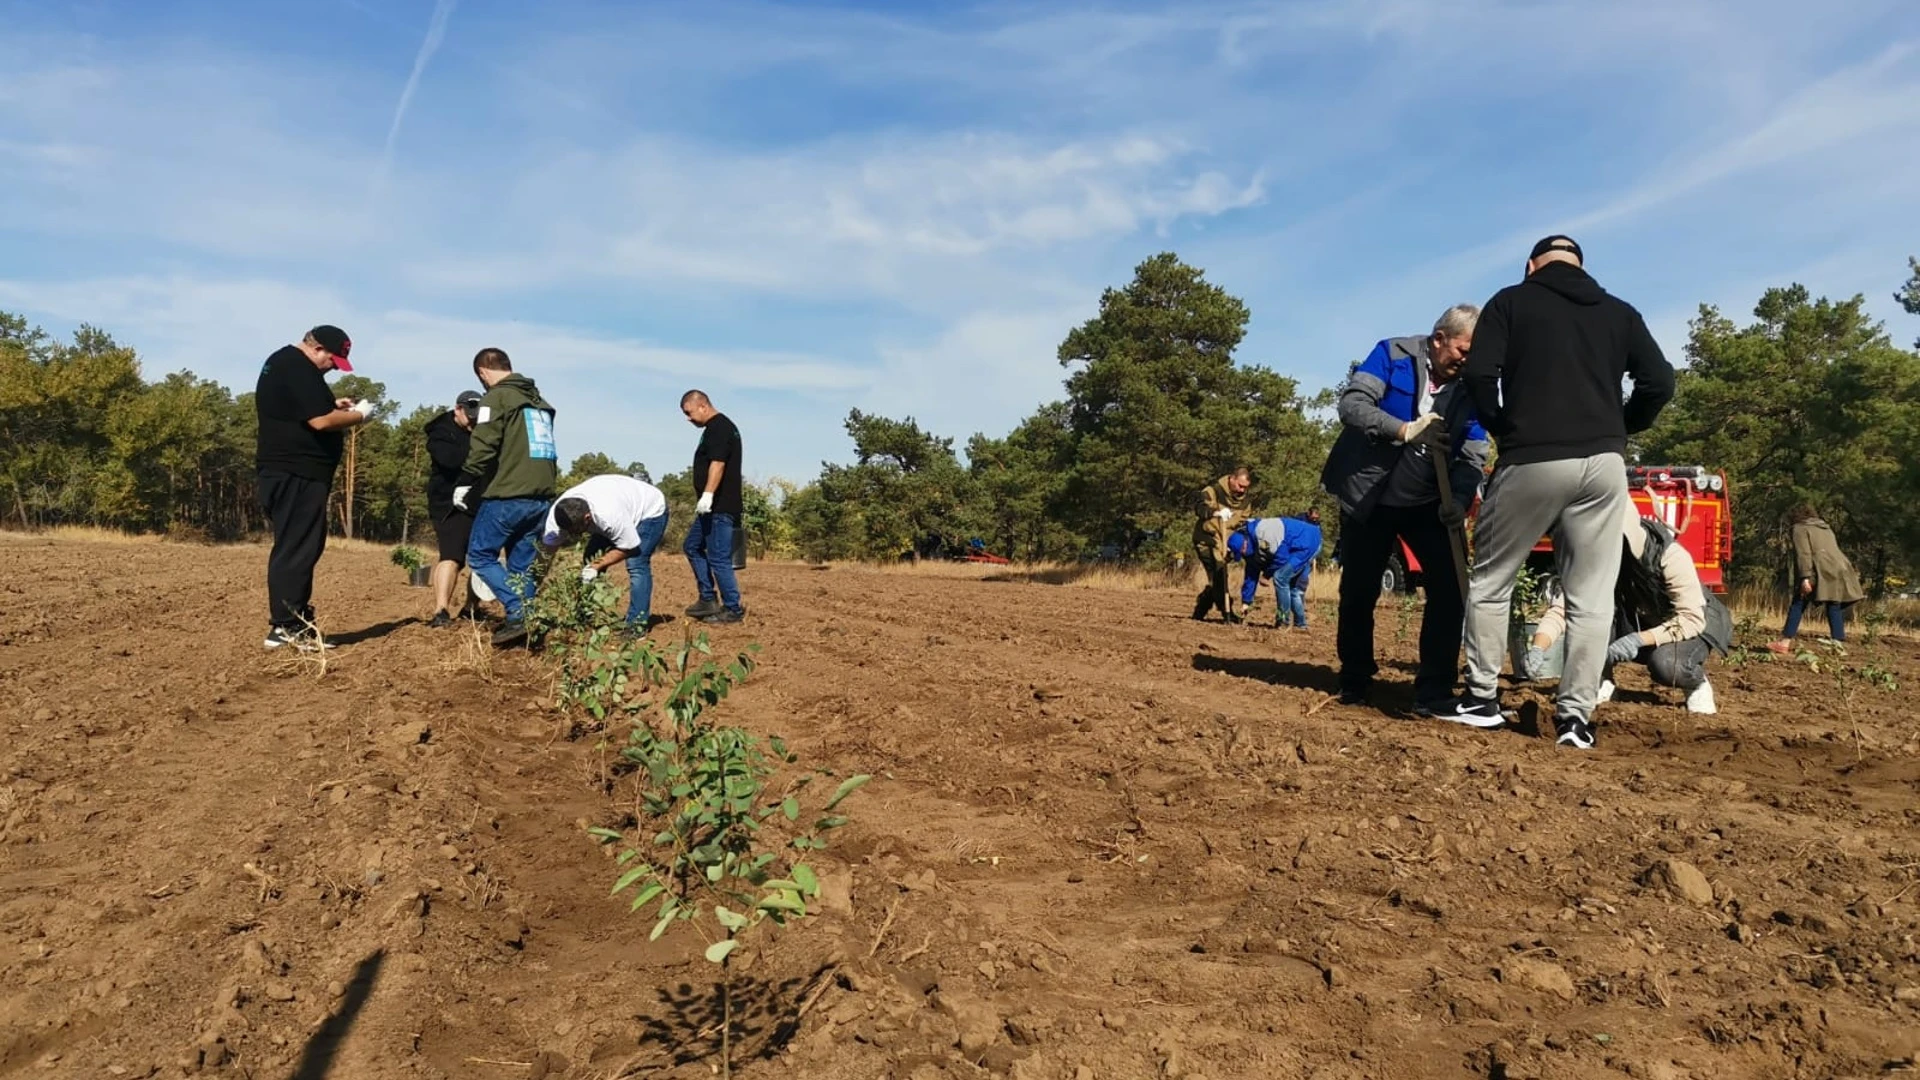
[
  {"x": 715, "y": 442},
  {"x": 447, "y": 446},
  {"x": 311, "y": 398},
  {"x": 1652, "y": 375},
  {"x": 1487, "y": 362}
]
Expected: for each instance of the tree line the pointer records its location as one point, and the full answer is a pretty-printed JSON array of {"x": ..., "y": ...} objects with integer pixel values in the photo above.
[{"x": 1812, "y": 401}]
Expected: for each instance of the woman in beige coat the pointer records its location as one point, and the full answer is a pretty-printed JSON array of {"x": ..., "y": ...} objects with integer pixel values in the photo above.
[{"x": 1821, "y": 575}]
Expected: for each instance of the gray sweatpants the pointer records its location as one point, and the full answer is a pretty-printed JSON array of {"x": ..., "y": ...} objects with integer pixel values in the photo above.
[{"x": 1583, "y": 502}]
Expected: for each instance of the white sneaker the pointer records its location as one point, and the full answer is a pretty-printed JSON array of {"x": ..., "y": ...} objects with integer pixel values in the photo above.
[
  {"x": 1606, "y": 690},
  {"x": 1701, "y": 700}
]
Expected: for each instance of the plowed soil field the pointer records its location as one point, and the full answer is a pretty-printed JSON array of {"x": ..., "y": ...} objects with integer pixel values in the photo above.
[{"x": 1103, "y": 842}]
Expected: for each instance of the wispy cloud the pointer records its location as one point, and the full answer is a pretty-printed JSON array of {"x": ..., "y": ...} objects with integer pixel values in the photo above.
[{"x": 436, "y": 32}]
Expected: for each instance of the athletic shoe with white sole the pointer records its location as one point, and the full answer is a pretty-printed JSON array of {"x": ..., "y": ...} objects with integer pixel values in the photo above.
[
  {"x": 1575, "y": 734},
  {"x": 1701, "y": 700},
  {"x": 301, "y": 640},
  {"x": 1472, "y": 711}
]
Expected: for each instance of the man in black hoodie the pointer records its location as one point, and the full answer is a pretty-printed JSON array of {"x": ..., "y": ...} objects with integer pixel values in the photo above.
[{"x": 1548, "y": 358}]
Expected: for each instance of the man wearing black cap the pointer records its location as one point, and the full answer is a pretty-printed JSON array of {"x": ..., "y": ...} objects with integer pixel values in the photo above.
[
  {"x": 449, "y": 437},
  {"x": 1548, "y": 358},
  {"x": 298, "y": 449}
]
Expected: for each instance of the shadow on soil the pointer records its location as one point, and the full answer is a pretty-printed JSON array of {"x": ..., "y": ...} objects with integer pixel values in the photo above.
[
  {"x": 766, "y": 1016},
  {"x": 377, "y": 630},
  {"x": 317, "y": 1059},
  {"x": 1301, "y": 676}
]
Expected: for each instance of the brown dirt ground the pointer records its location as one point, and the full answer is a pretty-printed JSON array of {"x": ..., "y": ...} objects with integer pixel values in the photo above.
[{"x": 1104, "y": 842}]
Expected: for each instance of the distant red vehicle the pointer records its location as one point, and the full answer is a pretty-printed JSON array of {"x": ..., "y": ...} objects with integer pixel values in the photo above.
[{"x": 1692, "y": 500}]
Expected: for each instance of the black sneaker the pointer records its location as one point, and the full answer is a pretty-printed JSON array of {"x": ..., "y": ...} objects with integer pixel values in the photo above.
[
  {"x": 703, "y": 608},
  {"x": 1202, "y": 608},
  {"x": 725, "y": 616},
  {"x": 301, "y": 639},
  {"x": 441, "y": 620},
  {"x": 511, "y": 632},
  {"x": 1576, "y": 734},
  {"x": 1472, "y": 711}
]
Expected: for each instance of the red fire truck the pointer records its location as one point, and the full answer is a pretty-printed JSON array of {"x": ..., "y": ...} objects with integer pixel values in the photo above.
[{"x": 1690, "y": 499}]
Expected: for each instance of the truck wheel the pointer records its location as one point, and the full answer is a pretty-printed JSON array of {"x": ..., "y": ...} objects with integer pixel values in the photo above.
[{"x": 1393, "y": 580}]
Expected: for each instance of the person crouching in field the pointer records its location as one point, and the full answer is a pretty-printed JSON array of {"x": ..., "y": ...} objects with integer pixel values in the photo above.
[
  {"x": 1296, "y": 593},
  {"x": 624, "y": 519},
  {"x": 1221, "y": 508},
  {"x": 1278, "y": 548},
  {"x": 1662, "y": 617}
]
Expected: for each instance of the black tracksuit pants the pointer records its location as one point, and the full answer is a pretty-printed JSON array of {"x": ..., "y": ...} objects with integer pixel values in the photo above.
[
  {"x": 297, "y": 507},
  {"x": 1365, "y": 547}
]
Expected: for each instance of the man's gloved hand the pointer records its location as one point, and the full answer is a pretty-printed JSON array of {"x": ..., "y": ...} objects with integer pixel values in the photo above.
[
  {"x": 1412, "y": 430},
  {"x": 705, "y": 505},
  {"x": 364, "y": 407},
  {"x": 1623, "y": 649},
  {"x": 1534, "y": 664},
  {"x": 1224, "y": 514},
  {"x": 1453, "y": 515},
  {"x": 460, "y": 495},
  {"x": 588, "y": 573}
]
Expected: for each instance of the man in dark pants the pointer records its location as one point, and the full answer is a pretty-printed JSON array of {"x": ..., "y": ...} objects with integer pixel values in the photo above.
[
  {"x": 709, "y": 546},
  {"x": 1402, "y": 405},
  {"x": 297, "y": 451}
]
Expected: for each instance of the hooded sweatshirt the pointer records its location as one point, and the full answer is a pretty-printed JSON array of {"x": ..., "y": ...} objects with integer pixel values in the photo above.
[
  {"x": 1278, "y": 548},
  {"x": 1548, "y": 356},
  {"x": 513, "y": 443}
]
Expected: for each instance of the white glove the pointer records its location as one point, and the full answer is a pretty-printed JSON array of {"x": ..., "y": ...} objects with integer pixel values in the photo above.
[
  {"x": 588, "y": 573},
  {"x": 1224, "y": 514},
  {"x": 1411, "y": 429},
  {"x": 460, "y": 495},
  {"x": 479, "y": 586},
  {"x": 705, "y": 505},
  {"x": 364, "y": 407}
]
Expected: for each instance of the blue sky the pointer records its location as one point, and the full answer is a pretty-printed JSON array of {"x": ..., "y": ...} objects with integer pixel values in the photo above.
[{"x": 807, "y": 207}]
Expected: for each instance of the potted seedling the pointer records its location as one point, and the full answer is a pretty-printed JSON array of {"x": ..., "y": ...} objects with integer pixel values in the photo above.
[
  {"x": 414, "y": 562},
  {"x": 1532, "y": 592}
]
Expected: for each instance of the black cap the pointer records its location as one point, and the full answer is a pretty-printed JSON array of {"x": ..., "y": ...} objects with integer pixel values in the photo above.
[
  {"x": 334, "y": 340},
  {"x": 467, "y": 397},
  {"x": 1557, "y": 242}
]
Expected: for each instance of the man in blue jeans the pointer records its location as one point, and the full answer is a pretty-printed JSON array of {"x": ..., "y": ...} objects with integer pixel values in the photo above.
[
  {"x": 513, "y": 453},
  {"x": 716, "y": 526},
  {"x": 625, "y": 520}
]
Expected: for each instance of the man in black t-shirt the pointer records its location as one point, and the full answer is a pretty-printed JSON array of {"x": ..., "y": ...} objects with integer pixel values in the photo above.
[
  {"x": 716, "y": 525},
  {"x": 301, "y": 426}
]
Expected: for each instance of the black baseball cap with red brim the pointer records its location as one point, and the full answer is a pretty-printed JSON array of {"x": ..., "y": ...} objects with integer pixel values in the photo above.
[{"x": 336, "y": 342}]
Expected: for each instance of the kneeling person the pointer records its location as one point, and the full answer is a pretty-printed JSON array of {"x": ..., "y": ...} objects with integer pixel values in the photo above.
[
  {"x": 1663, "y": 617},
  {"x": 624, "y": 520},
  {"x": 1279, "y": 548}
]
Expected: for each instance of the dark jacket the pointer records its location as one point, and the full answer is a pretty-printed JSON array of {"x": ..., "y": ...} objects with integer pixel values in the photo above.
[
  {"x": 1381, "y": 394},
  {"x": 513, "y": 452},
  {"x": 447, "y": 446},
  {"x": 1548, "y": 356}
]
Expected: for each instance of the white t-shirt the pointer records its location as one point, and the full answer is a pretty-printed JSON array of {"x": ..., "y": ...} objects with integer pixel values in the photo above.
[{"x": 618, "y": 505}]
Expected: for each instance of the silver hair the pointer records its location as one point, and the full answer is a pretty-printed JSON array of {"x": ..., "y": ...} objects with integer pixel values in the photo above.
[{"x": 1456, "y": 320}]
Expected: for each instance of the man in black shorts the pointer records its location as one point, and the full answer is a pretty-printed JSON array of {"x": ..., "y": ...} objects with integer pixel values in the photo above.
[
  {"x": 449, "y": 436},
  {"x": 298, "y": 449}
]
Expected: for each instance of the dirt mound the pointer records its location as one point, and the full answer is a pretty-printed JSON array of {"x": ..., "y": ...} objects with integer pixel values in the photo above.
[{"x": 1103, "y": 841}]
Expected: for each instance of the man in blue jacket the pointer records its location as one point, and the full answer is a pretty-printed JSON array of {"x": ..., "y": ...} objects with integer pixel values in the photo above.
[
  {"x": 1279, "y": 548},
  {"x": 1402, "y": 406}
]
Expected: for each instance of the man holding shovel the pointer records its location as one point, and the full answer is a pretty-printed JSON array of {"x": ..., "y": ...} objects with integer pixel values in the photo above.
[{"x": 1407, "y": 463}]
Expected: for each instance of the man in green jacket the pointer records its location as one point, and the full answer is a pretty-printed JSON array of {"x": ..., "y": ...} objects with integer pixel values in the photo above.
[{"x": 513, "y": 447}]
